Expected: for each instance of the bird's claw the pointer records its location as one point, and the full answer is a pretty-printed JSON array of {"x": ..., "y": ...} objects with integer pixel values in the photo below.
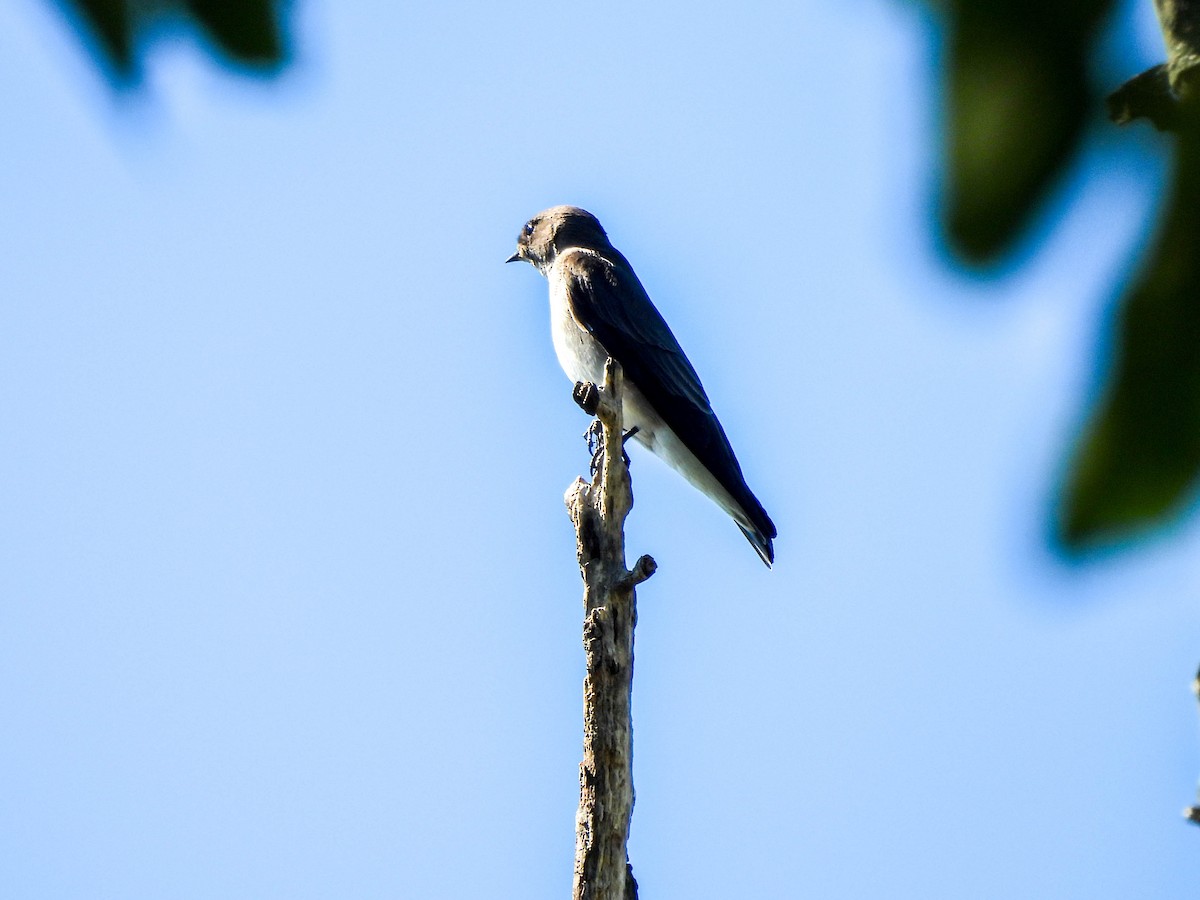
[{"x": 595, "y": 444}]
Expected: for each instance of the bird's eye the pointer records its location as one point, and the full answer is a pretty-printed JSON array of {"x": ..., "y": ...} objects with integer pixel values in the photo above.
[{"x": 529, "y": 228}]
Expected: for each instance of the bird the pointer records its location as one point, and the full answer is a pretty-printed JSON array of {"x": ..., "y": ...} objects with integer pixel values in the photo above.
[{"x": 598, "y": 310}]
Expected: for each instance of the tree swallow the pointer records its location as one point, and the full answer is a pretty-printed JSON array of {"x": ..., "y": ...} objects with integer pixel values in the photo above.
[{"x": 599, "y": 309}]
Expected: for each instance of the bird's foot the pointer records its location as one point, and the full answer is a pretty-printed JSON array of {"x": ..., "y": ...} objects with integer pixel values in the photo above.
[
  {"x": 630, "y": 433},
  {"x": 595, "y": 444}
]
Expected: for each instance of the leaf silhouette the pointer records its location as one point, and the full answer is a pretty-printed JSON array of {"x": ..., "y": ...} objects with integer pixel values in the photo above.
[
  {"x": 1138, "y": 462},
  {"x": 247, "y": 33},
  {"x": 1019, "y": 99}
]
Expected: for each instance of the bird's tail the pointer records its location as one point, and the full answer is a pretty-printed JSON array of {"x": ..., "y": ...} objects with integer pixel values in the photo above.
[
  {"x": 756, "y": 525},
  {"x": 762, "y": 544}
]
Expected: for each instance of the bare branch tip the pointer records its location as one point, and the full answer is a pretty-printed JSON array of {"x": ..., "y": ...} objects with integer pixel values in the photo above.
[
  {"x": 644, "y": 567},
  {"x": 641, "y": 571},
  {"x": 1145, "y": 96},
  {"x": 576, "y": 495}
]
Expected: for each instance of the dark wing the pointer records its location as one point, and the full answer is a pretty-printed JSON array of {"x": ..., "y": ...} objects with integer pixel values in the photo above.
[{"x": 610, "y": 302}]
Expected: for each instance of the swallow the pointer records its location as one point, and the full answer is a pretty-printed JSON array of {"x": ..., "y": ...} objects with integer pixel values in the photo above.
[{"x": 599, "y": 309}]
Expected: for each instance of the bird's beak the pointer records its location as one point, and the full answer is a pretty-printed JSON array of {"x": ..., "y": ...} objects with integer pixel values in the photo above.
[{"x": 516, "y": 257}]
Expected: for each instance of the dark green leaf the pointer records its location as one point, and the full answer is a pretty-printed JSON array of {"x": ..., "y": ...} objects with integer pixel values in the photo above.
[
  {"x": 1140, "y": 457},
  {"x": 246, "y": 33},
  {"x": 1018, "y": 100}
]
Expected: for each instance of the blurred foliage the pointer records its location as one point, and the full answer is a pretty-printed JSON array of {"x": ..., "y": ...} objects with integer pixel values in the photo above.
[
  {"x": 1140, "y": 455},
  {"x": 245, "y": 32},
  {"x": 1019, "y": 99}
]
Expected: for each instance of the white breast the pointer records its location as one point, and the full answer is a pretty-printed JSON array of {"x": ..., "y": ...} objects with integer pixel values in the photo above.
[{"x": 579, "y": 354}]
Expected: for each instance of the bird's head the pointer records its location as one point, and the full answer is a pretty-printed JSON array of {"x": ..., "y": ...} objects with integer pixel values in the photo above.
[{"x": 556, "y": 229}]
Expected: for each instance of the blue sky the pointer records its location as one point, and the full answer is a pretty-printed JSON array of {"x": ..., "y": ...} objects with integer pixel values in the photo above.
[{"x": 288, "y": 603}]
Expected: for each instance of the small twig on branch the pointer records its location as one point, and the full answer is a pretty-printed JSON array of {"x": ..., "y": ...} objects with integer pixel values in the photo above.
[
  {"x": 642, "y": 569},
  {"x": 1163, "y": 92},
  {"x": 1146, "y": 96},
  {"x": 598, "y": 510}
]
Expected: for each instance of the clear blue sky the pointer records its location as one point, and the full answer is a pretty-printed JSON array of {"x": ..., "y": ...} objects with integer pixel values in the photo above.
[{"x": 288, "y": 601}]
